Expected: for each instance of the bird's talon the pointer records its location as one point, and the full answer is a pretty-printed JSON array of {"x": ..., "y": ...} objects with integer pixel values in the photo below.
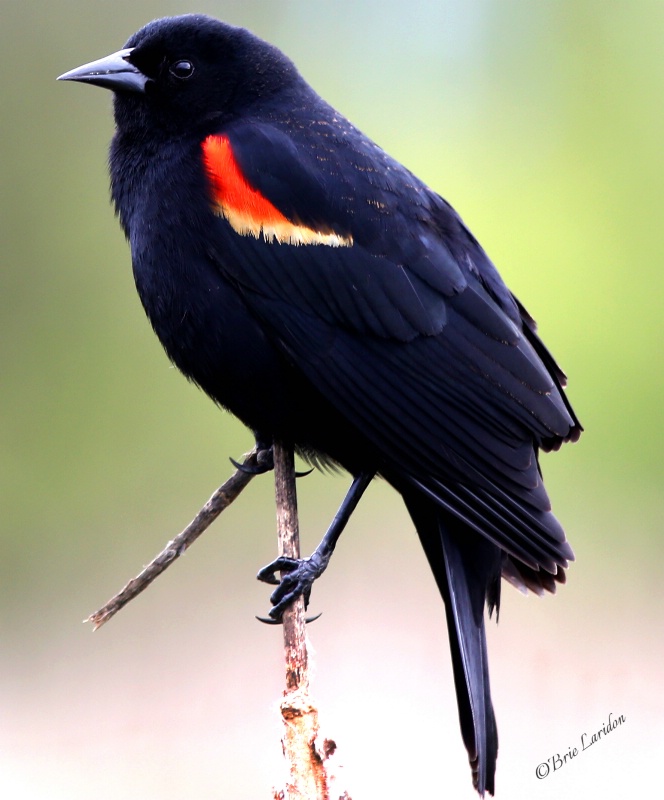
[
  {"x": 279, "y": 621},
  {"x": 259, "y": 468},
  {"x": 268, "y": 620}
]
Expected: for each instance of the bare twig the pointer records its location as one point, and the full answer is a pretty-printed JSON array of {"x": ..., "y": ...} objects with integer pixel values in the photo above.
[
  {"x": 219, "y": 501},
  {"x": 288, "y": 532},
  {"x": 306, "y": 756}
]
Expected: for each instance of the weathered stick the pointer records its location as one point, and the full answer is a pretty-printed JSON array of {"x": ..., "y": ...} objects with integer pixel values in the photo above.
[
  {"x": 219, "y": 501},
  {"x": 288, "y": 533},
  {"x": 306, "y": 756}
]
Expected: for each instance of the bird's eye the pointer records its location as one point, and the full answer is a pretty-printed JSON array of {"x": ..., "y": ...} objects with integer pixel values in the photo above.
[{"x": 182, "y": 69}]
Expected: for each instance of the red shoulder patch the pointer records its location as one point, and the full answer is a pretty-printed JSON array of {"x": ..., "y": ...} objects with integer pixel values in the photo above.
[{"x": 248, "y": 212}]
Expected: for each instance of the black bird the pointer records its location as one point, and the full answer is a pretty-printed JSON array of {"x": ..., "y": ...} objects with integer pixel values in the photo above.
[{"x": 323, "y": 294}]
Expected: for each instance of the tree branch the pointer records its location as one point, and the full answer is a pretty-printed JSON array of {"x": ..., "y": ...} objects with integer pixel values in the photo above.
[
  {"x": 306, "y": 755},
  {"x": 219, "y": 501},
  {"x": 288, "y": 533}
]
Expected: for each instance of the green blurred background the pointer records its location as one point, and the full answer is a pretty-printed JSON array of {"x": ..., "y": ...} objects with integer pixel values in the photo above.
[{"x": 542, "y": 123}]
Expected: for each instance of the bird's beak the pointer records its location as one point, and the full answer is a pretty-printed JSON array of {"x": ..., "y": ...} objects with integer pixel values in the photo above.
[{"x": 112, "y": 72}]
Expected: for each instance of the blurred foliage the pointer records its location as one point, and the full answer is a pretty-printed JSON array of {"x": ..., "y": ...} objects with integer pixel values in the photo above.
[{"x": 541, "y": 123}]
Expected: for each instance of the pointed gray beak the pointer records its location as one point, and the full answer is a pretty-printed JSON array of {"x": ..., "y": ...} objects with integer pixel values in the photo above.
[{"x": 112, "y": 72}]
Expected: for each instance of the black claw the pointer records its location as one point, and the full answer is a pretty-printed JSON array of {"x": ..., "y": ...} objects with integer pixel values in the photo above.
[
  {"x": 280, "y": 621},
  {"x": 263, "y": 462},
  {"x": 242, "y": 467},
  {"x": 258, "y": 469},
  {"x": 304, "y": 474},
  {"x": 269, "y": 621}
]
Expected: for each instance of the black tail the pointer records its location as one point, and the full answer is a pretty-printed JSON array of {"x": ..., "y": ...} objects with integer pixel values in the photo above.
[{"x": 467, "y": 570}]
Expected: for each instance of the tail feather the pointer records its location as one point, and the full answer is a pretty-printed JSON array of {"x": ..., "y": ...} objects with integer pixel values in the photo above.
[
  {"x": 471, "y": 669},
  {"x": 467, "y": 570}
]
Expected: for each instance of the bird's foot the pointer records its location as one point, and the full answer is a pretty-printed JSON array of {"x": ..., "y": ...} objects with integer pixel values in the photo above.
[
  {"x": 298, "y": 576},
  {"x": 264, "y": 460}
]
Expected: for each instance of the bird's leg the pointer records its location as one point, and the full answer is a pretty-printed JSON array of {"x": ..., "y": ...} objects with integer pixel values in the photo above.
[{"x": 298, "y": 575}]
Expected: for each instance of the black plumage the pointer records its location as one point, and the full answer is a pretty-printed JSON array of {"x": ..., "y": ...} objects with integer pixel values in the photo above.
[{"x": 324, "y": 295}]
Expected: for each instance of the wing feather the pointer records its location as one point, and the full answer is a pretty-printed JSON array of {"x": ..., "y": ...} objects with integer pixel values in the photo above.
[{"x": 409, "y": 332}]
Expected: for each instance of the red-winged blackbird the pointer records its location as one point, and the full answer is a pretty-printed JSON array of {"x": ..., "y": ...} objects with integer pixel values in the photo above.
[{"x": 324, "y": 295}]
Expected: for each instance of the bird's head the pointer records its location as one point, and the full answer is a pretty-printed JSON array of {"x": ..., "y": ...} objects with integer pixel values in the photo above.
[{"x": 188, "y": 72}]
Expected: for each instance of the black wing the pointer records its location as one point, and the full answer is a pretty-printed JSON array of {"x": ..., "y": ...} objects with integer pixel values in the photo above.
[{"x": 407, "y": 329}]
